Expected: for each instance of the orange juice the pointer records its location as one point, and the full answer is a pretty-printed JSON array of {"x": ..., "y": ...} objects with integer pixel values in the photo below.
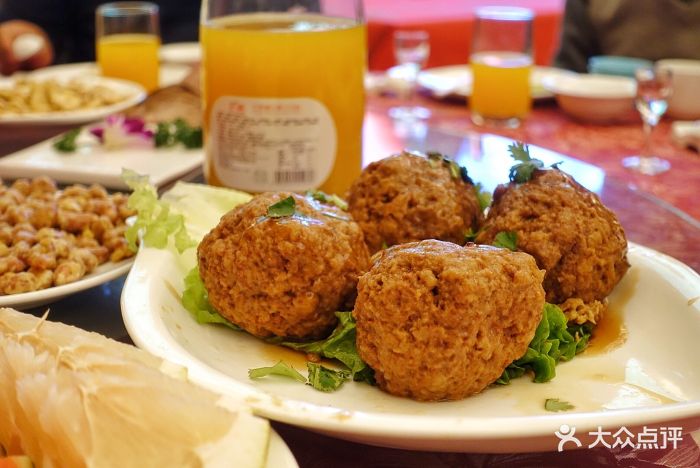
[
  {"x": 501, "y": 85},
  {"x": 283, "y": 101},
  {"x": 130, "y": 57}
]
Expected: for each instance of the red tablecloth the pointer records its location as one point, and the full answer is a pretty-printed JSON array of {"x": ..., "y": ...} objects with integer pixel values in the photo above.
[{"x": 449, "y": 23}]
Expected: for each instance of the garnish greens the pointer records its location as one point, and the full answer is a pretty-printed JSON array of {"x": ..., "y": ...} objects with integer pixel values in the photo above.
[
  {"x": 66, "y": 143},
  {"x": 456, "y": 171},
  {"x": 320, "y": 377},
  {"x": 555, "y": 404},
  {"x": 195, "y": 299},
  {"x": 483, "y": 196},
  {"x": 340, "y": 345},
  {"x": 178, "y": 131},
  {"x": 282, "y": 208},
  {"x": 522, "y": 171},
  {"x": 331, "y": 199},
  {"x": 506, "y": 240},
  {"x": 553, "y": 342},
  {"x": 154, "y": 221},
  {"x": 470, "y": 235},
  {"x": 281, "y": 368},
  {"x": 325, "y": 379}
]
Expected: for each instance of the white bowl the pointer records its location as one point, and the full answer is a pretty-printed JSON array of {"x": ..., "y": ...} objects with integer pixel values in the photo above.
[
  {"x": 684, "y": 103},
  {"x": 602, "y": 99}
]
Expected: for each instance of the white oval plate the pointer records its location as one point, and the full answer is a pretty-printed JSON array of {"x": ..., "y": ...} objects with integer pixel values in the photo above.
[
  {"x": 181, "y": 52},
  {"x": 652, "y": 379},
  {"x": 456, "y": 81},
  {"x": 133, "y": 92},
  {"x": 103, "y": 273},
  {"x": 170, "y": 73}
]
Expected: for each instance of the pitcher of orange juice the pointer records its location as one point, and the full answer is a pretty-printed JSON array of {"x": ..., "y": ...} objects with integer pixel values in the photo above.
[
  {"x": 127, "y": 42},
  {"x": 283, "y": 93},
  {"x": 501, "y": 60}
]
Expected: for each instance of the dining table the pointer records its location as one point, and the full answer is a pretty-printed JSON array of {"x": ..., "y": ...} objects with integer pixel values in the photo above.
[{"x": 660, "y": 212}]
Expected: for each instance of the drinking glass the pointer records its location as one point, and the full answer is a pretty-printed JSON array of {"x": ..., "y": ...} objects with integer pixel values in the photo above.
[
  {"x": 654, "y": 86},
  {"x": 283, "y": 93},
  {"x": 411, "y": 50},
  {"x": 501, "y": 60},
  {"x": 127, "y": 41}
]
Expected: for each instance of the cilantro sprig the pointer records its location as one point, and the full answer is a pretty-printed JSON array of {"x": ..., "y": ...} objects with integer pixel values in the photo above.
[
  {"x": 169, "y": 134},
  {"x": 282, "y": 208},
  {"x": 66, "y": 143},
  {"x": 522, "y": 171},
  {"x": 456, "y": 171},
  {"x": 555, "y": 404},
  {"x": 329, "y": 199}
]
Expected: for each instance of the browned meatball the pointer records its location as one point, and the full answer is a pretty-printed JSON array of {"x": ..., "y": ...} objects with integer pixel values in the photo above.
[
  {"x": 437, "y": 321},
  {"x": 283, "y": 276},
  {"x": 577, "y": 240},
  {"x": 408, "y": 197}
]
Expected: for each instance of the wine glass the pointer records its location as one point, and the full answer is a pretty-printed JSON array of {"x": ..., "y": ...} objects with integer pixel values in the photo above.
[
  {"x": 653, "y": 90},
  {"x": 411, "y": 50}
]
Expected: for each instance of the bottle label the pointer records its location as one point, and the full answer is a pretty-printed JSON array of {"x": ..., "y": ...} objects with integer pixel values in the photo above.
[{"x": 269, "y": 144}]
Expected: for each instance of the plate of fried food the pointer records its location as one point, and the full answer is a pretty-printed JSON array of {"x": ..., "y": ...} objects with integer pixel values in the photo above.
[
  {"x": 419, "y": 313},
  {"x": 29, "y": 99},
  {"x": 55, "y": 242}
]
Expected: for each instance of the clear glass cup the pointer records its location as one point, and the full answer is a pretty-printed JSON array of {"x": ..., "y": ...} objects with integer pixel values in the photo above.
[
  {"x": 501, "y": 60},
  {"x": 411, "y": 50},
  {"x": 127, "y": 36},
  {"x": 654, "y": 87},
  {"x": 283, "y": 93}
]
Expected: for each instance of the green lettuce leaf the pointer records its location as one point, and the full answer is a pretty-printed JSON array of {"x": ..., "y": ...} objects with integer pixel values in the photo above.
[
  {"x": 483, "y": 196},
  {"x": 281, "y": 368},
  {"x": 340, "y": 345},
  {"x": 553, "y": 342},
  {"x": 154, "y": 220},
  {"x": 506, "y": 240},
  {"x": 325, "y": 379},
  {"x": 196, "y": 300}
]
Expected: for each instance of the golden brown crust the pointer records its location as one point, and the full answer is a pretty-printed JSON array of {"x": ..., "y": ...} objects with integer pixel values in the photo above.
[
  {"x": 285, "y": 276},
  {"x": 571, "y": 234},
  {"x": 437, "y": 321},
  {"x": 406, "y": 198}
]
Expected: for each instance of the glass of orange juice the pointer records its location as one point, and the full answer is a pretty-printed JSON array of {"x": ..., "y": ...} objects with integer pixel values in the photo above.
[
  {"x": 127, "y": 41},
  {"x": 283, "y": 93},
  {"x": 501, "y": 60}
]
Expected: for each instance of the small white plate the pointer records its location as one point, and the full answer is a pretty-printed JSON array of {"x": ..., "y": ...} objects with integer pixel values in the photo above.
[
  {"x": 133, "y": 94},
  {"x": 95, "y": 164},
  {"x": 455, "y": 81},
  {"x": 187, "y": 53},
  {"x": 170, "y": 73},
  {"x": 651, "y": 379},
  {"x": 103, "y": 273}
]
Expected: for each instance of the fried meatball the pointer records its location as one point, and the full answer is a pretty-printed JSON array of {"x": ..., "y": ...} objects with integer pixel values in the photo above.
[
  {"x": 437, "y": 321},
  {"x": 283, "y": 276},
  {"x": 408, "y": 197},
  {"x": 577, "y": 240}
]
